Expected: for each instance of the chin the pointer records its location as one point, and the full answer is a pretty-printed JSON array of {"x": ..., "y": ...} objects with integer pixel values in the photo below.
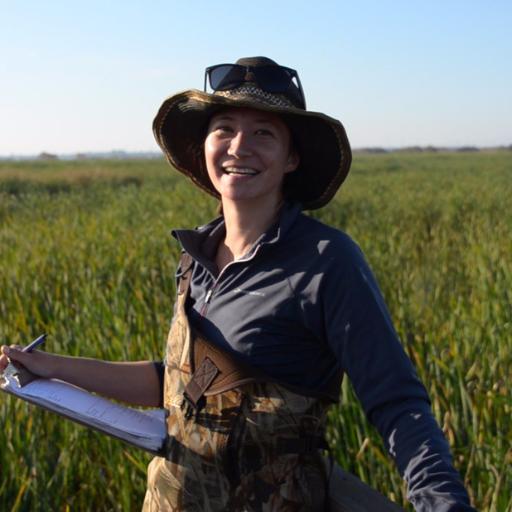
[{"x": 265, "y": 200}]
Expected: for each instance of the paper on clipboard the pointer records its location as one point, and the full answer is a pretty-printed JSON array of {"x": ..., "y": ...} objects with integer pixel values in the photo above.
[{"x": 145, "y": 429}]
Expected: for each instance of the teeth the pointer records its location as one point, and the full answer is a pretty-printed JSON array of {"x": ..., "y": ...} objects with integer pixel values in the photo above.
[{"x": 240, "y": 170}]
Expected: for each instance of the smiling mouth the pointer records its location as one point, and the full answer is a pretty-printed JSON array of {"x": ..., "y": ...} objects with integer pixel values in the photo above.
[{"x": 245, "y": 171}]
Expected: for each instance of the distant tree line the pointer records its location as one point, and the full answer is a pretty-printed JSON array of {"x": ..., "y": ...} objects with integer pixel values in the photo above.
[{"x": 430, "y": 149}]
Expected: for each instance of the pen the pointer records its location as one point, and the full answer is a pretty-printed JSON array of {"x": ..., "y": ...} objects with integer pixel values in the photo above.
[{"x": 35, "y": 343}]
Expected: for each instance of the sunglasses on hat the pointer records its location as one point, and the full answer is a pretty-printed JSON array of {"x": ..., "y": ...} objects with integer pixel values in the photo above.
[{"x": 270, "y": 78}]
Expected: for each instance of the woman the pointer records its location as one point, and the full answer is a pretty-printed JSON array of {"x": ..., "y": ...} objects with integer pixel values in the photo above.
[{"x": 272, "y": 308}]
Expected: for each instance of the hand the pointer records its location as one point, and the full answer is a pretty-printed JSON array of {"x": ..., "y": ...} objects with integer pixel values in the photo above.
[
  {"x": 3, "y": 356},
  {"x": 38, "y": 362}
]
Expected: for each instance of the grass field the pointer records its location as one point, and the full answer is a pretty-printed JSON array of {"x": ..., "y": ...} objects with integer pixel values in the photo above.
[{"x": 85, "y": 255}]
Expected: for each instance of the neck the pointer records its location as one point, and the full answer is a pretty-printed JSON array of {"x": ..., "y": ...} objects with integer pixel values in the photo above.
[{"x": 245, "y": 223}]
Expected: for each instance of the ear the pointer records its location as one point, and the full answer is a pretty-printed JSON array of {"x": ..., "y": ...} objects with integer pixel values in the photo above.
[{"x": 292, "y": 161}]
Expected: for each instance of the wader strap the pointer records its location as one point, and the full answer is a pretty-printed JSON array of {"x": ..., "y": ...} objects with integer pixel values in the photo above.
[
  {"x": 215, "y": 371},
  {"x": 303, "y": 445},
  {"x": 185, "y": 274},
  {"x": 232, "y": 372},
  {"x": 306, "y": 443}
]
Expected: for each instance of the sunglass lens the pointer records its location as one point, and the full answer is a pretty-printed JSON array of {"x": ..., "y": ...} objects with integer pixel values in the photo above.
[
  {"x": 273, "y": 78},
  {"x": 225, "y": 77}
]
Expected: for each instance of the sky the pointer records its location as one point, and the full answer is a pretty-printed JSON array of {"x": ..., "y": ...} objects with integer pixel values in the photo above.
[{"x": 82, "y": 76}]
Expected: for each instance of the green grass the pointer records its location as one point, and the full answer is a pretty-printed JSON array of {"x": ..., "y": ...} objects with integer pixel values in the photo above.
[{"x": 86, "y": 255}]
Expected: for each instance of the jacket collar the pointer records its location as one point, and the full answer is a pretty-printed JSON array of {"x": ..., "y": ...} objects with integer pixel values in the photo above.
[{"x": 201, "y": 243}]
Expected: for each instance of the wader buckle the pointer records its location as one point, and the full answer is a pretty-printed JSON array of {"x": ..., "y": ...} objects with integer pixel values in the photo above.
[
  {"x": 201, "y": 380},
  {"x": 191, "y": 407}
]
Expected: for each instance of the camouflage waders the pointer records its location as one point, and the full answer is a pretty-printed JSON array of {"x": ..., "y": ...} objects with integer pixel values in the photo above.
[{"x": 237, "y": 441}]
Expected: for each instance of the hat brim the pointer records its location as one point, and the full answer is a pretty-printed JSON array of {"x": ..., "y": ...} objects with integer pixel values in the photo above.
[{"x": 180, "y": 129}]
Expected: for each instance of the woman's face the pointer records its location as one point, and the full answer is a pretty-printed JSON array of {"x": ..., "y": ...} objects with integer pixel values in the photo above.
[{"x": 247, "y": 154}]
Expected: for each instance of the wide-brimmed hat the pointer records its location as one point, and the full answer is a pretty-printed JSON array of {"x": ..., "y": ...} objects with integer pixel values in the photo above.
[{"x": 321, "y": 142}]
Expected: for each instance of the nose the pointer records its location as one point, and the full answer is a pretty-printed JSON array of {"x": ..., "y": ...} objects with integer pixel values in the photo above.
[{"x": 240, "y": 145}]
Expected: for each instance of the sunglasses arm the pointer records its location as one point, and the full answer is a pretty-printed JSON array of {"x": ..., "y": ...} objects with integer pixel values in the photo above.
[
  {"x": 205, "y": 78},
  {"x": 301, "y": 90}
]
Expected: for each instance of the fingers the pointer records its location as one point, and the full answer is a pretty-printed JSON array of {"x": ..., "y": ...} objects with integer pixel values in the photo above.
[
  {"x": 3, "y": 361},
  {"x": 6, "y": 349},
  {"x": 3, "y": 357},
  {"x": 30, "y": 360},
  {"x": 13, "y": 352}
]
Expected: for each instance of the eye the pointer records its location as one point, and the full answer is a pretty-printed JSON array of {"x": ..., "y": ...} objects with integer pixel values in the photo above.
[
  {"x": 265, "y": 132},
  {"x": 223, "y": 128}
]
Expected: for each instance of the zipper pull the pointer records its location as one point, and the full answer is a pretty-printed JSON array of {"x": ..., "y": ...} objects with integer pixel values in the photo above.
[{"x": 208, "y": 296}]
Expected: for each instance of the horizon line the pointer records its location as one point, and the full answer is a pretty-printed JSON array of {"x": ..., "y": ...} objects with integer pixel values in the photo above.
[{"x": 122, "y": 153}]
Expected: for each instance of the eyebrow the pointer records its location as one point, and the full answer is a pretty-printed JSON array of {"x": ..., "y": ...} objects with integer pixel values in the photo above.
[
  {"x": 222, "y": 118},
  {"x": 227, "y": 117}
]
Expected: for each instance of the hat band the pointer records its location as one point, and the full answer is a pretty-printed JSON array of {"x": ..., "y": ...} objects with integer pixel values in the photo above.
[{"x": 253, "y": 93}]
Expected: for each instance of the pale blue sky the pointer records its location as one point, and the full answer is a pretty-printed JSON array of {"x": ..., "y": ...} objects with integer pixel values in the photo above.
[{"x": 90, "y": 76}]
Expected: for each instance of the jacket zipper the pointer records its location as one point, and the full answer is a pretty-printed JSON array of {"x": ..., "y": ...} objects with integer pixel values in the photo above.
[{"x": 209, "y": 293}]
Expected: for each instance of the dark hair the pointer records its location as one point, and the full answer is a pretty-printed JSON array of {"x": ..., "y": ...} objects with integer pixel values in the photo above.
[{"x": 292, "y": 180}]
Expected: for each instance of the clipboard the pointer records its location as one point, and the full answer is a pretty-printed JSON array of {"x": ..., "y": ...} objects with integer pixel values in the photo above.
[{"x": 143, "y": 428}]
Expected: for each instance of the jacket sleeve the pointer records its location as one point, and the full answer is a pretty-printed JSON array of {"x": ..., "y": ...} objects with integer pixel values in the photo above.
[{"x": 360, "y": 332}]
